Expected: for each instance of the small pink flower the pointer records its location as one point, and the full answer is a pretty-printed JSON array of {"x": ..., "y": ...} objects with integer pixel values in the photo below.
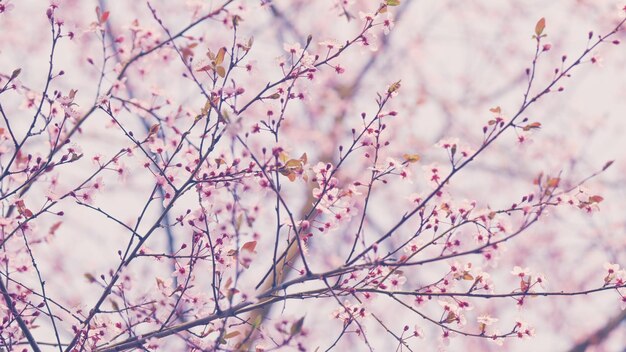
[
  {"x": 521, "y": 272},
  {"x": 448, "y": 143},
  {"x": 396, "y": 281},
  {"x": 293, "y": 48},
  {"x": 152, "y": 344},
  {"x": 611, "y": 268},
  {"x": 367, "y": 17},
  {"x": 486, "y": 320},
  {"x": 597, "y": 60},
  {"x": 541, "y": 280},
  {"x": 418, "y": 332},
  {"x": 6, "y": 7},
  {"x": 388, "y": 25},
  {"x": 330, "y": 44},
  {"x": 157, "y": 146}
]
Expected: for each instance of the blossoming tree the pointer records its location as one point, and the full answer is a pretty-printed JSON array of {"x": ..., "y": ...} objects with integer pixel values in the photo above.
[{"x": 297, "y": 175}]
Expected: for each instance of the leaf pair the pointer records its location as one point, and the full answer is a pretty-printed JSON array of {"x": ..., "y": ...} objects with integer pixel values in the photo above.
[{"x": 292, "y": 167}]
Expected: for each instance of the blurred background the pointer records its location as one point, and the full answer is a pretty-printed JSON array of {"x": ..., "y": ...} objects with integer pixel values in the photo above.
[{"x": 455, "y": 60}]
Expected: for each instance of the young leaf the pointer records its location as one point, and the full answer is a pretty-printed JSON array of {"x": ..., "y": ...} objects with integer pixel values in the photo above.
[
  {"x": 411, "y": 158},
  {"x": 296, "y": 327},
  {"x": 239, "y": 222},
  {"x": 450, "y": 318},
  {"x": 104, "y": 17},
  {"x": 220, "y": 56},
  {"x": 393, "y": 87},
  {"x": 539, "y": 27},
  {"x": 294, "y": 164},
  {"x": 54, "y": 227},
  {"x": 220, "y": 71},
  {"x": 467, "y": 276},
  {"x": 553, "y": 182},
  {"x": 154, "y": 129},
  {"x": 595, "y": 199},
  {"x": 531, "y": 126},
  {"x": 249, "y": 246},
  {"x": 15, "y": 73},
  {"x": 21, "y": 208},
  {"x": 257, "y": 321},
  {"x": 231, "y": 334}
]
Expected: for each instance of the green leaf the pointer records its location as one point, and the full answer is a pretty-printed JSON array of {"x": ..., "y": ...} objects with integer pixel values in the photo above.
[
  {"x": 257, "y": 321},
  {"x": 392, "y": 2}
]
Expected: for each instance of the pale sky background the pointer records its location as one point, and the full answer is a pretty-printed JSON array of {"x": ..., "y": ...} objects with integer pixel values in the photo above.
[{"x": 456, "y": 59}]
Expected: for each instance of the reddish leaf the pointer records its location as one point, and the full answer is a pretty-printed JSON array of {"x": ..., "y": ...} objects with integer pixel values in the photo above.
[
  {"x": 54, "y": 227},
  {"x": 553, "y": 182},
  {"x": 204, "y": 68},
  {"x": 228, "y": 282},
  {"x": 531, "y": 126},
  {"x": 249, "y": 246},
  {"x": 540, "y": 26},
  {"x": 595, "y": 199},
  {"x": 21, "y": 208},
  {"x": 104, "y": 17}
]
